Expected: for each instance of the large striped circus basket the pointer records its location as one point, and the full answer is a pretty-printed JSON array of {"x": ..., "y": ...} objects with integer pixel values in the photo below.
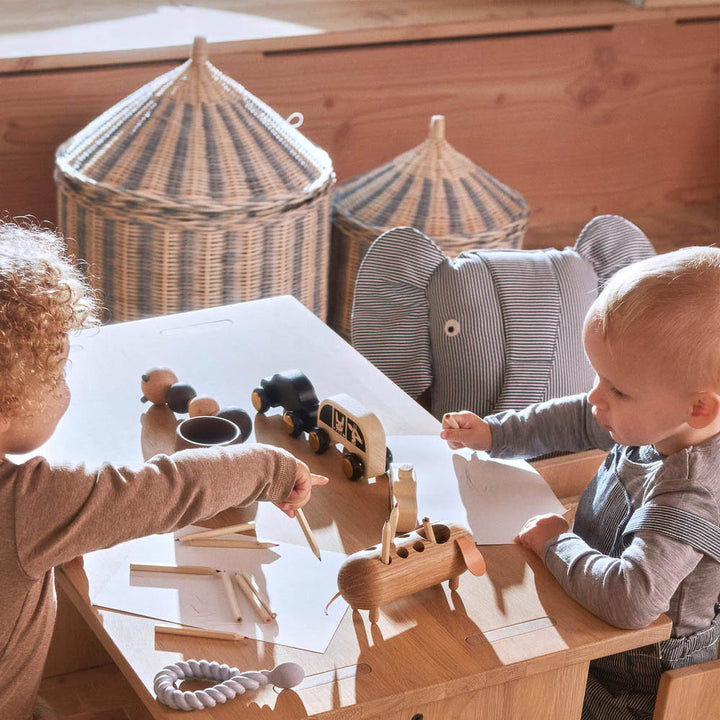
[
  {"x": 432, "y": 188},
  {"x": 191, "y": 193}
]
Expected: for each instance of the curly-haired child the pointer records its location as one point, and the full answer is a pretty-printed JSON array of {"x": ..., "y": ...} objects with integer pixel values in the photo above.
[
  {"x": 645, "y": 539},
  {"x": 53, "y": 513}
]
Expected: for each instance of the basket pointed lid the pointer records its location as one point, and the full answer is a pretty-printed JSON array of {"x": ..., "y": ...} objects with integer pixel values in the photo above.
[
  {"x": 194, "y": 137},
  {"x": 433, "y": 188}
]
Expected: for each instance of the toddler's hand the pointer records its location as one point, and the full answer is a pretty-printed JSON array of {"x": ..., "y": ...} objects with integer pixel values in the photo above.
[
  {"x": 466, "y": 429},
  {"x": 300, "y": 494},
  {"x": 539, "y": 529}
]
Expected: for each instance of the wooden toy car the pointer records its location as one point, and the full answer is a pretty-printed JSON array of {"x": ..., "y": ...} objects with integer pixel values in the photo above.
[
  {"x": 292, "y": 391},
  {"x": 414, "y": 563},
  {"x": 343, "y": 420}
]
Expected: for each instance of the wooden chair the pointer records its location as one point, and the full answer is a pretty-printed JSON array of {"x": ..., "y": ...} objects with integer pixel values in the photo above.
[{"x": 690, "y": 693}]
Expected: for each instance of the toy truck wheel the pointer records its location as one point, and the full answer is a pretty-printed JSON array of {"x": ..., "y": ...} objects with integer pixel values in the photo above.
[
  {"x": 353, "y": 466},
  {"x": 388, "y": 459},
  {"x": 293, "y": 424},
  {"x": 319, "y": 441},
  {"x": 259, "y": 400}
]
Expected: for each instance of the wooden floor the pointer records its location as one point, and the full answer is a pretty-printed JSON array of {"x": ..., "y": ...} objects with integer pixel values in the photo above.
[{"x": 100, "y": 693}]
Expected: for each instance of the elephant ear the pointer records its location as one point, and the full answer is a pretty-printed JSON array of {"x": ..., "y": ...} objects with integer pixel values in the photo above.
[
  {"x": 610, "y": 242},
  {"x": 391, "y": 317}
]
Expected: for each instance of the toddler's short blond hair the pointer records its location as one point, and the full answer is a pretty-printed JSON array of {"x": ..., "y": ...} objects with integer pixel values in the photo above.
[
  {"x": 669, "y": 304},
  {"x": 43, "y": 297}
]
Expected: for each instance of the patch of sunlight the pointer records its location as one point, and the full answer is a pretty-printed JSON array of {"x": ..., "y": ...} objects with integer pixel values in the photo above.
[{"x": 166, "y": 27}]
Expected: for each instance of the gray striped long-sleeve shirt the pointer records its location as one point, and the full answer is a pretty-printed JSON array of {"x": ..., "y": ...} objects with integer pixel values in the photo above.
[{"x": 628, "y": 586}]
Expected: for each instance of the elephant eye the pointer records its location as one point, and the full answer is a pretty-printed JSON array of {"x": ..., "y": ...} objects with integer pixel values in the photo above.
[{"x": 452, "y": 327}]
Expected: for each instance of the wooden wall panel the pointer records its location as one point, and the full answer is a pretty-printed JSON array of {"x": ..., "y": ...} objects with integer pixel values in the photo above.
[
  {"x": 579, "y": 122},
  {"x": 38, "y": 111},
  {"x": 612, "y": 119}
]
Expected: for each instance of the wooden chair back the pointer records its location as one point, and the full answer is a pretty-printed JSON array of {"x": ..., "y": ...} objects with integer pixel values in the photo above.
[{"x": 689, "y": 693}]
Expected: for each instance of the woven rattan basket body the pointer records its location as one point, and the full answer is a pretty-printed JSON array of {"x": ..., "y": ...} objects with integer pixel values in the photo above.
[
  {"x": 192, "y": 193},
  {"x": 432, "y": 188}
]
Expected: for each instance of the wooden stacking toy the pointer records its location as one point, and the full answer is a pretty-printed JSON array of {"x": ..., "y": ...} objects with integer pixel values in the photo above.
[
  {"x": 414, "y": 561},
  {"x": 160, "y": 386}
]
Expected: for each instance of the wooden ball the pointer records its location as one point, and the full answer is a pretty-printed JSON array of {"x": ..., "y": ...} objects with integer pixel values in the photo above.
[
  {"x": 178, "y": 396},
  {"x": 240, "y": 418},
  {"x": 155, "y": 383},
  {"x": 202, "y": 405}
]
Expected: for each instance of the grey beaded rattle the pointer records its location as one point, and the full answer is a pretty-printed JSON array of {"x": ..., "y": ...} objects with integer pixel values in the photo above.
[{"x": 232, "y": 682}]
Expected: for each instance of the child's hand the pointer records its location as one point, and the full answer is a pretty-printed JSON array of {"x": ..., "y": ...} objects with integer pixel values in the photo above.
[
  {"x": 300, "y": 494},
  {"x": 539, "y": 529},
  {"x": 466, "y": 429}
]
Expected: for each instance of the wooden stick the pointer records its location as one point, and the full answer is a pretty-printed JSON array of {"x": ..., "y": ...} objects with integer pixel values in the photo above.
[
  {"x": 228, "y": 543},
  {"x": 217, "y": 531},
  {"x": 252, "y": 598},
  {"x": 300, "y": 515},
  {"x": 198, "y": 632},
  {"x": 230, "y": 592},
  {"x": 429, "y": 532},
  {"x": 394, "y": 516},
  {"x": 263, "y": 600},
  {"x": 386, "y": 541},
  {"x": 186, "y": 569}
]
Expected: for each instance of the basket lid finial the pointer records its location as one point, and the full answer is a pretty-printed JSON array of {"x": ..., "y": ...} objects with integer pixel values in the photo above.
[
  {"x": 437, "y": 127},
  {"x": 199, "y": 49}
]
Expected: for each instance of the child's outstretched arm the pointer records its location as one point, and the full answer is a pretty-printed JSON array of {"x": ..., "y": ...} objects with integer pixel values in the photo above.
[
  {"x": 300, "y": 494},
  {"x": 466, "y": 429},
  {"x": 161, "y": 495}
]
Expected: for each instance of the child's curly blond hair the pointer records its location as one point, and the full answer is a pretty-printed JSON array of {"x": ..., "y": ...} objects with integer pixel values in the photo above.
[{"x": 43, "y": 297}]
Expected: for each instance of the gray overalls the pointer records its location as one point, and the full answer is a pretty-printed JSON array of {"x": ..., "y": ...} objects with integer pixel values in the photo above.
[{"x": 624, "y": 686}]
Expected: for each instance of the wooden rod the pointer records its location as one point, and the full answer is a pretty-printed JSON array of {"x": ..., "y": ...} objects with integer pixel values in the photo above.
[
  {"x": 181, "y": 569},
  {"x": 252, "y": 598},
  {"x": 198, "y": 632},
  {"x": 307, "y": 531},
  {"x": 215, "y": 532}
]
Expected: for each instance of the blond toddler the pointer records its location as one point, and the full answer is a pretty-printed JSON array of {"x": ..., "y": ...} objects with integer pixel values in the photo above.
[
  {"x": 53, "y": 513},
  {"x": 645, "y": 539}
]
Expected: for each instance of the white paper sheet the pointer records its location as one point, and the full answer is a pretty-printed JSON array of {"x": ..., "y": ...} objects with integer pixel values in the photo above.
[
  {"x": 296, "y": 583},
  {"x": 492, "y": 497}
]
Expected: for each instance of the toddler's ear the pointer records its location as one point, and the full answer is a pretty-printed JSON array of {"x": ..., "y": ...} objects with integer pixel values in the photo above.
[
  {"x": 705, "y": 409},
  {"x": 4, "y": 424}
]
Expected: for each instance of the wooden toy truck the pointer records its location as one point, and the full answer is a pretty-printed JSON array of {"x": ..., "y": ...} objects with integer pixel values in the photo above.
[
  {"x": 343, "y": 420},
  {"x": 415, "y": 563}
]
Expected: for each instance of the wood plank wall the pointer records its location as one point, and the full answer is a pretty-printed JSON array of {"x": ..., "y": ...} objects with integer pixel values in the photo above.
[{"x": 614, "y": 118}]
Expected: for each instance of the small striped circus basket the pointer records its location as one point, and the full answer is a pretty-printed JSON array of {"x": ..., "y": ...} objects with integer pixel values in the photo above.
[
  {"x": 432, "y": 188},
  {"x": 190, "y": 193}
]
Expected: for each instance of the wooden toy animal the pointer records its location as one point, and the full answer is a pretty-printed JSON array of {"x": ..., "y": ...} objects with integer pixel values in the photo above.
[
  {"x": 292, "y": 391},
  {"x": 402, "y": 493},
  {"x": 414, "y": 563},
  {"x": 343, "y": 420}
]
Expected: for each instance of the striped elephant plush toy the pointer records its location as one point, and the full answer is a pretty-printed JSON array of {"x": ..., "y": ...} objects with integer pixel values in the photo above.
[{"x": 488, "y": 330}]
